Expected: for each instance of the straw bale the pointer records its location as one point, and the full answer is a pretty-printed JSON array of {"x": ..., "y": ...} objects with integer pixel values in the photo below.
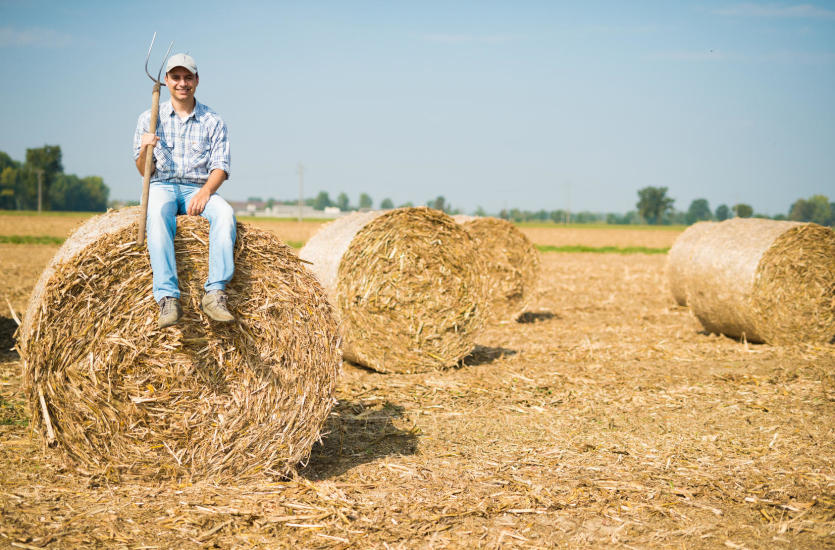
[
  {"x": 405, "y": 284},
  {"x": 511, "y": 264},
  {"x": 200, "y": 399},
  {"x": 678, "y": 258},
  {"x": 765, "y": 281}
]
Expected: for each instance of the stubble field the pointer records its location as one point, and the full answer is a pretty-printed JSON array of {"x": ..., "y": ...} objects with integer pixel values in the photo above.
[{"x": 609, "y": 419}]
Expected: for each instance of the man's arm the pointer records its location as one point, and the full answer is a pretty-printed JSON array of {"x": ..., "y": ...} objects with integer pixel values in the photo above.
[
  {"x": 198, "y": 200},
  {"x": 151, "y": 140}
]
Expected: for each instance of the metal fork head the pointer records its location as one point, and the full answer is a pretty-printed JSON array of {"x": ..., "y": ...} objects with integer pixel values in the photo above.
[{"x": 164, "y": 59}]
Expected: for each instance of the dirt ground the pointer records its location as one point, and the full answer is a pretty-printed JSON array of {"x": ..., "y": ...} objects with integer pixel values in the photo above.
[{"x": 607, "y": 419}]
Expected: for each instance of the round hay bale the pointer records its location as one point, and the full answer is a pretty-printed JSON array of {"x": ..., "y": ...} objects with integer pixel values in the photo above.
[
  {"x": 511, "y": 264},
  {"x": 200, "y": 399},
  {"x": 678, "y": 258},
  {"x": 764, "y": 280},
  {"x": 405, "y": 284}
]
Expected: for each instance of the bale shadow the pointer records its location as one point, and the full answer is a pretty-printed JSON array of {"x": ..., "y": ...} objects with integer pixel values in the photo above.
[
  {"x": 483, "y": 355},
  {"x": 7, "y": 339},
  {"x": 536, "y": 317},
  {"x": 357, "y": 433}
]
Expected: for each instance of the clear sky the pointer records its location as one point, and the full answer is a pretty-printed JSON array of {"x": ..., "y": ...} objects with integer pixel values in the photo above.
[{"x": 495, "y": 104}]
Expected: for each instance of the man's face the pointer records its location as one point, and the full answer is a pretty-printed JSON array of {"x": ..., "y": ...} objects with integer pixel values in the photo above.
[{"x": 181, "y": 83}]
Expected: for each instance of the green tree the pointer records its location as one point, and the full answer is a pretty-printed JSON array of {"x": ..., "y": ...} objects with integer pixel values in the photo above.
[
  {"x": 47, "y": 159},
  {"x": 653, "y": 204},
  {"x": 407, "y": 204},
  {"x": 816, "y": 209},
  {"x": 321, "y": 201},
  {"x": 365, "y": 201},
  {"x": 342, "y": 202},
  {"x": 722, "y": 212},
  {"x": 699, "y": 211},
  {"x": 386, "y": 204},
  {"x": 439, "y": 203},
  {"x": 742, "y": 210},
  {"x": 9, "y": 183},
  {"x": 479, "y": 211},
  {"x": 71, "y": 193}
]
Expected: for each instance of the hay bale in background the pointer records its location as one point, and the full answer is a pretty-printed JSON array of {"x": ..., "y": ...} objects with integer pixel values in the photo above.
[
  {"x": 200, "y": 399},
  {"x": 764, "y": 280},
  {"x": 405, "y": 284},
  {"x": 678, "y": 258},
  {"x": 511, "y": 264}
]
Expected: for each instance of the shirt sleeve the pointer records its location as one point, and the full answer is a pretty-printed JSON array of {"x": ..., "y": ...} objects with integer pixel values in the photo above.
[
  {"x": 220, "y": 157},
  {"x": 142, "y": 126}
]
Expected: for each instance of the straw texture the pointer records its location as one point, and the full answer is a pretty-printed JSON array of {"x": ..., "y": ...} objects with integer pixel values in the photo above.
[
  {"x": 679, "y": 258},
  {"x": 405, "y": 284},
  {"x": 511, "y": 265},
  {"x": 765, "y": 281},
  {"x": 197, "y": 400}
]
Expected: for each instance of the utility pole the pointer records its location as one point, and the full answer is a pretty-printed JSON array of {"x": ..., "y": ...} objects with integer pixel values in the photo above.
[
  {"x": 301, "y": 189},
  {"x": 568, "y": 200},
  {"x": 40, "y": 185}
]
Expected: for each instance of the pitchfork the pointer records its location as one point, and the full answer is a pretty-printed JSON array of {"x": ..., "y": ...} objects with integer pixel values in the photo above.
[{"x": 149, "y": 154}]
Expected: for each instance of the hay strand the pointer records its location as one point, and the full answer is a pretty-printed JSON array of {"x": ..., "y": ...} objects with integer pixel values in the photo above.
[
  {"x": 765, "y": 281},
  {"x": 679, "y": 258},
  {"x": 511, "y": 265},
  {"x": 197, "y": 400},
  {"x": 405, "y": 284}
]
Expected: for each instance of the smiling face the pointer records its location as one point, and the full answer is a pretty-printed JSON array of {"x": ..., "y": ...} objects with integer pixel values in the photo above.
[{"x": 181, "y": 83}]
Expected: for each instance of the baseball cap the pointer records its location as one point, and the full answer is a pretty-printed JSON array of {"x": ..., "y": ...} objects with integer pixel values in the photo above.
[{"x": 181, "y": 60}]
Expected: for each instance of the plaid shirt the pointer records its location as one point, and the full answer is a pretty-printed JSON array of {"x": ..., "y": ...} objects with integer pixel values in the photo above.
[{"x": 188, "y": 150}]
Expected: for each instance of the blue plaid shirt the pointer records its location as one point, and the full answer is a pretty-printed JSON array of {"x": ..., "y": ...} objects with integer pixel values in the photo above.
[{"x": 188, "y": 150}]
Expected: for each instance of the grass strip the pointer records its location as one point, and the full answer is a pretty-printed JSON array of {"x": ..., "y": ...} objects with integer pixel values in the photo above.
[
  {"x": 602, "y": 249},
  {"x": 30, "y": 239}
]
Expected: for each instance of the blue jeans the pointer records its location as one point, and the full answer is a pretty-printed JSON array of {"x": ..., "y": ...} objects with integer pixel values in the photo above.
[{"x": 165, "y": 202}]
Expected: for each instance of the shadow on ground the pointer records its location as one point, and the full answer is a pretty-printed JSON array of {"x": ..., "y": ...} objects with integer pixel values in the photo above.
[
  {"x": 483, "y": 355},
  {"x": 7, "y": 341},
  {"x": 536, "y": 317},
  {"x": 358, "y": 433}
]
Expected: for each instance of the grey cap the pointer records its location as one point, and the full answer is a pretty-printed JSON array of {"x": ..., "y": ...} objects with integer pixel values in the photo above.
[{"x": 181, "y": 60}]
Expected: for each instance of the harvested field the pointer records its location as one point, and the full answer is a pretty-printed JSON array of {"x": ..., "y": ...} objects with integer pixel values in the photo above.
[
  {"x": 622, "y": 237},
  {"x": 52, "y": 224},
  {"x": 609, "y": 420}
]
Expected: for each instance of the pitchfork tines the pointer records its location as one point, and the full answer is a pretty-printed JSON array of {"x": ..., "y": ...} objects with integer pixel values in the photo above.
[{"x": 147, "y": 57}]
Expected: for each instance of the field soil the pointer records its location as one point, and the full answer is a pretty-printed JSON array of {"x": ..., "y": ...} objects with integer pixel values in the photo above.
[{"x": 607, "y": 418}]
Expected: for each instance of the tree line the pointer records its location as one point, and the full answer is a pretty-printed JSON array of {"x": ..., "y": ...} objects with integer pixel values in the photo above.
[{"x": 43, "y": 168}]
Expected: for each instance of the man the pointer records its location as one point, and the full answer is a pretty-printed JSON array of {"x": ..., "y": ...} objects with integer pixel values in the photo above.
[{"x": 191, "y": 161}]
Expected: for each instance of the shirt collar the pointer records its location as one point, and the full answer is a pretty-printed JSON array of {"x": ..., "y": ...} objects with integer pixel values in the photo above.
[{"x": 167, "y": 109}]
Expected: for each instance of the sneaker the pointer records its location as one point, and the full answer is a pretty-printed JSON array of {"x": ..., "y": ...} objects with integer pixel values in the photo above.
[
  {"x": 214, "y": 305},
  {"x": 169, "y": 311}
]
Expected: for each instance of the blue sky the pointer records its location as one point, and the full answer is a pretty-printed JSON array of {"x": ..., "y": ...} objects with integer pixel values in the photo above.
[{"x": 494, "y": 104}]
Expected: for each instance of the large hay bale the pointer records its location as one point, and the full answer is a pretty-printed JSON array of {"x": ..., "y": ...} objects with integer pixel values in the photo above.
[
  {"x": 511, "y": 264},
  {"x": 679, "y": 258},
  {"x": 405, "y": 284},
  {"x": 764, "y": 280},
  {"x": 200, "y": 399}
]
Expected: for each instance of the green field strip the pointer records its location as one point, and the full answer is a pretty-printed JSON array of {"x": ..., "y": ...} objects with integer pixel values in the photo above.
[
  {"x": 30, "y": 239},
  {"x": 601, "y": 249}
]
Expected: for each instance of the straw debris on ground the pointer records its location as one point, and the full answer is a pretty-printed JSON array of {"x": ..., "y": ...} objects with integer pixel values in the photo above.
[
  {"x": 406, "y": 285},
  {"x": 511, "y": 265},
  {"x": 764, "y": 281},
  {"x": 200, "y": 400}
]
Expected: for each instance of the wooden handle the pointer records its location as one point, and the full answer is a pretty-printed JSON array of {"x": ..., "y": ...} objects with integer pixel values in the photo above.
[{"x": 149, "y": 160}]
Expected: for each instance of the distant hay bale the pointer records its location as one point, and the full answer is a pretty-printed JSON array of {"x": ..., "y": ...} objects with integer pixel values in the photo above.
[
  {"x": 198, "y": 400},
  {"x": 405, "y": 284},
  {"x": 511, "y": 264},
  {"x": 764, "y": 280},
  {"x": 678, "y": 258}
]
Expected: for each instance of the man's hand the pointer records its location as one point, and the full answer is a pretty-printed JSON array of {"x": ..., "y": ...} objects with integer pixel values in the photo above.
[
  {"x": 149, "y": 139},
  {"x": 198, "y": 202}
]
